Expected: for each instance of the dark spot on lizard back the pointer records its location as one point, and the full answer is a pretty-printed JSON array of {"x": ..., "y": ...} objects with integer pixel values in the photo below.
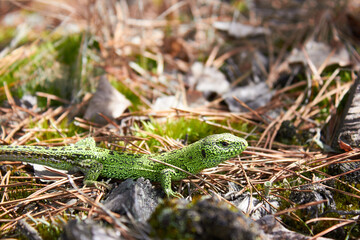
[
  {"x": 132, "y": 155},
  {"x": 203, "y": 153},
  {"x": 111, "y": 152}
]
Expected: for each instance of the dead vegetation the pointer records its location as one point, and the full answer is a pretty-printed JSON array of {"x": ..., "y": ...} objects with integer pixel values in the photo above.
[{"x": 150, "y": 48}]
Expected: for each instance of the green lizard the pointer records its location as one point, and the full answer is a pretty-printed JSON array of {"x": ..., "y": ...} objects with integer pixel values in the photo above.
[{"x": 94, "y": 162}]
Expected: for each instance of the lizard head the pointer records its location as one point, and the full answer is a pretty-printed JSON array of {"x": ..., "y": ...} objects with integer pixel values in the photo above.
[{"x": 218, "y": 148}]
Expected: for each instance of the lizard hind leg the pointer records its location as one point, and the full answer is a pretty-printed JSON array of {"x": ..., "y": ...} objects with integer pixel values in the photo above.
[
  {"x": 165, "y": 179},
  {"x": 92, "y": 170}
]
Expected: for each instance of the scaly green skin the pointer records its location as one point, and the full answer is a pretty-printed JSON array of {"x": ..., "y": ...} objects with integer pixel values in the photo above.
[{"x": 94, "y": 162}]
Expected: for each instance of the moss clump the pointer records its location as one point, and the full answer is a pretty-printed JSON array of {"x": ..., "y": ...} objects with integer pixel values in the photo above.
[
  {"x": 50, "y": 230},
  {"x": 189, "y": 129},
  {"x": 63, "y": 129},
  {"x": 48, "y": 65}
]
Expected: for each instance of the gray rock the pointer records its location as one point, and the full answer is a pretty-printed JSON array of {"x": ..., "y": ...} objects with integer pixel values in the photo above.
[
  {"x": 88, "y": 230},
  {"x": 318, "y": 53},
  {"x": 240, "y": 30},
  {"x": 275, "y": 231},
  {"x": 254, "y": 96},
  {"x": 317, "y": 192},
  {"x": 207, "y": 80},
  {"x": 255, "y": 208},
  {"x": 340, "y": 168},
  {"x": 167, "y": 102},
  {"x": 138, "y": 198}
]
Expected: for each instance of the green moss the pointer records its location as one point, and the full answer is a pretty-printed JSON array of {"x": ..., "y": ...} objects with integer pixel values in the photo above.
[
  {"x": 343, "y": 202},
  {"x": 6, "y": 35},
  {"x": 48, "y": 229},
  {"x": 66, "y": 129},
  {"x": 147, "y": 64},
  {"x": 52, "y": 64},
  {"x": 241, "y": 6},
  {"x": 17, "y": 192},
  {"x": 20, "y": 192},
  {"x": 191, "y": 129},
  {"x": 51, "y": 230},
  {"x": 296, "y": 221},
  {"x": 346, "y": 202}
]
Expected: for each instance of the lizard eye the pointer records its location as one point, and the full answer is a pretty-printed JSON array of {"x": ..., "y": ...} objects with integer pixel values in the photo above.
[{"x": 224, "y": 143}]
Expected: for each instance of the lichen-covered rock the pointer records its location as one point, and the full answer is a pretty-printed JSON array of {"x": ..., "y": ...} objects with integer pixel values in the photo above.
[
  {"x": 313, "y": 193},
  {"x": 202, "y": 219}
]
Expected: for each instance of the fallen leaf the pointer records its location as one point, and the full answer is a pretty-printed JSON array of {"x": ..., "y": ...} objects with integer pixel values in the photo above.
[{"x": 107, "y": 101}]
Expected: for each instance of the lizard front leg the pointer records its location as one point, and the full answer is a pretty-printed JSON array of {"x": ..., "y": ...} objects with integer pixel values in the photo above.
[
  {"x": 165, "y": 178},
  {"x": 92, "y": 170}
]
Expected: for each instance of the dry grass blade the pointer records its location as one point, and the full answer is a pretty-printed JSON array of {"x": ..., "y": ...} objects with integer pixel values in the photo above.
[
  {"x": 85, "y": 195},
  {"x": 330, "y": 229},
  {"x": 330, "y": 219},
  {"x": 289, "y": 210}
]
